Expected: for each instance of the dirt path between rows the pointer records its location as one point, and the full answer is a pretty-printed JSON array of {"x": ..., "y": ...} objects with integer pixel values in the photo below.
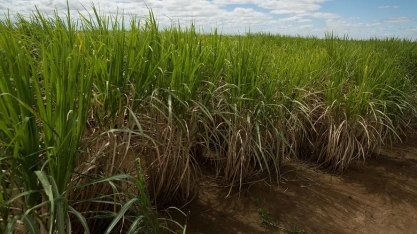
[{"x": 377, "y": 196}]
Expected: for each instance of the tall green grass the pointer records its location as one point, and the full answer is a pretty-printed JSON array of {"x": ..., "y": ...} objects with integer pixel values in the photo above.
[
  {"x": 101, "y": 122},
  {"x": 46, "y": 90}
]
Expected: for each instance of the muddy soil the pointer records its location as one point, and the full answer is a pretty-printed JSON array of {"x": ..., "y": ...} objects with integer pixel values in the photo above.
[{"x": 375, "y": 196}]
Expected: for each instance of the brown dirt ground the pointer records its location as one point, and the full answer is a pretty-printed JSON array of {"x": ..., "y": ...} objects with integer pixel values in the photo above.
[{"x": 375, "y": 196}]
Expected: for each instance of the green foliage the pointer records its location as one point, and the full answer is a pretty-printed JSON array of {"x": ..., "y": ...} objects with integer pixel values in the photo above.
[
  {"x": 46, "y": 89},
  {"x": 266, "y": 219},
  {"x": 81, "y": 100}
]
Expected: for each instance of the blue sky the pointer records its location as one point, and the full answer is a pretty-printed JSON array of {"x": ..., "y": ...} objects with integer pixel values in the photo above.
[{"x": 358, "y": 19}]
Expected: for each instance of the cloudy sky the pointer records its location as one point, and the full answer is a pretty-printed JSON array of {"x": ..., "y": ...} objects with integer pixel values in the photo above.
[{"x": 360, "y": 19}]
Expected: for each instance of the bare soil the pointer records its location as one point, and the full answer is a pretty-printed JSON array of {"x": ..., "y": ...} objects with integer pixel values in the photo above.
[{"x": 375, "y": 196}]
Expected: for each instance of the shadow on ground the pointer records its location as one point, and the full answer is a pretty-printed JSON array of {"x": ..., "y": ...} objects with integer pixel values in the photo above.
[{"x": 376, "y": 196}]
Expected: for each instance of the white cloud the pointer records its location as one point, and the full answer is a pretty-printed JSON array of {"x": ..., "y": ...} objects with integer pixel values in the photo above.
[
  {"x": 246, "y": 16},
  {"x": 275, "y": 16},
  {"x": 343, "y": 24},
  {"x": 412, "y": 29},
  {"x": 324, "y": 15},
  {"x": 297, "y": 19},
  {"x": 205, "y": 13},
  {"x": 354, "y": 30},
  {"x": 308, "y": 26},
  {"x": 278, "y": 6},
  {"x": 398, "y": 20},
  {"x": 291, "y": 7},
  {"x": 385, "y": 7}
]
